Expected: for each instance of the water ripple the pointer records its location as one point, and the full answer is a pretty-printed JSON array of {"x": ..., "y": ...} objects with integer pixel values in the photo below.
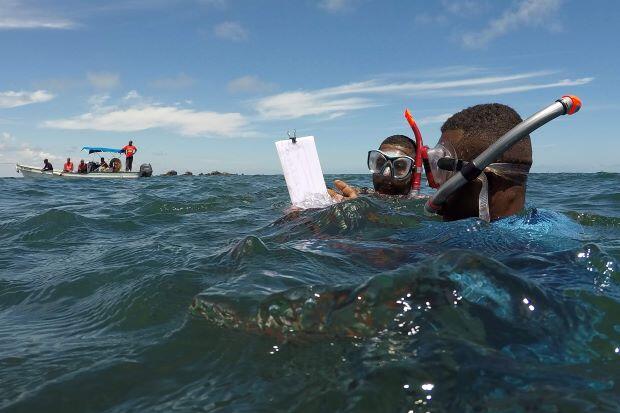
[{"x": 207, "y": 293}]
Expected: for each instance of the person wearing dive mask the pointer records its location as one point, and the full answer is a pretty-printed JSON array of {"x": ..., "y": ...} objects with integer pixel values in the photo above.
[
  {"x": 392, "y": 166},
  {"x": 498, "y": 192}
]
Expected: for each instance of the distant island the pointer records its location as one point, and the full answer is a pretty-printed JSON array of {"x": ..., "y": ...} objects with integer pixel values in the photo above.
[{"x": 188, "y": 173}]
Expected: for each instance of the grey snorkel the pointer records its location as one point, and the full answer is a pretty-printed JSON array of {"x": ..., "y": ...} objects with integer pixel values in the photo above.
[{"x": 470, "y": 171}]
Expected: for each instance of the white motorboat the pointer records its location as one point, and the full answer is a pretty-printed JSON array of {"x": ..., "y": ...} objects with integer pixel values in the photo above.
[
  {"x": 35, "y": 172},
  {"x": 93, "y": 171}
]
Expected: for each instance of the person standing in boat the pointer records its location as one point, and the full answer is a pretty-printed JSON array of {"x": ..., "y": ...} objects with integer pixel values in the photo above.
[
  {"x": 68, "y": 167},
  {"x": 47, "y": 166},
  {"x": 129, "y": 150}
]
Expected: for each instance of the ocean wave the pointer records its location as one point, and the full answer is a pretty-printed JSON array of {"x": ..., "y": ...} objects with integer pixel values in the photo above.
[{"x": 208, "y": 293}]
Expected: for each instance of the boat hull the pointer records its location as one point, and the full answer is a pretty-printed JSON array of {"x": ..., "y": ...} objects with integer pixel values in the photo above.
[{"x": 33, "y": 172}]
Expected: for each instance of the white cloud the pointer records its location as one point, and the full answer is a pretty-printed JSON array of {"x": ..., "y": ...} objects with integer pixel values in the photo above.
[
  {"x": 337, "y": 6},
  {"x": 132, "y": 94},
  {"x": 142, "y": 116},
  {"x": 293, "y": 105},
  {"x": 526, "y": 13},
  {"x": 16, "y": 15},
  {"x": 522, "y": 88},
  {"x": 13, "y": 23},
  {"x": 103, "y": 80},
  {"x": 24, "y": 153},
  {"x": 360, "y": 95},
  {"x": 181, "y": 81},
  {"x": 98, "y": 101},
  {"x": 231, "y": 31},
  {"x": 249, "y": 84},
  {"x": 11, "y": 99}
]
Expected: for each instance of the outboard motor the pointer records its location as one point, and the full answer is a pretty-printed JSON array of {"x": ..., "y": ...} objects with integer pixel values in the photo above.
[{"x": 146, "y": 170}]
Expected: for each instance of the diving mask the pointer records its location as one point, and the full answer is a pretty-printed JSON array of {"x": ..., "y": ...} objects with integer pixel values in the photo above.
[
  {"x": 390, "y": 165},
  {"x": 440, "y": 169}
]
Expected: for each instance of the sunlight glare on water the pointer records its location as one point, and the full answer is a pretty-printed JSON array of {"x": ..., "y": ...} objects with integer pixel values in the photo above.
[{"x": 209, "y": 294}]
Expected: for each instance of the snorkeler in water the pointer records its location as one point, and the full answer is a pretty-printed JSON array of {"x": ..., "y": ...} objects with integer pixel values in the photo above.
[
  {"x": 396, "y": 153},
  {"x": 464, "y": 136}
]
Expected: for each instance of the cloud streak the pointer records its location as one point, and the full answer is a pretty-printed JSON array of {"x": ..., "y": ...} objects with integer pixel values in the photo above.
[
  {"x": 523, "y": 88},
  {"x": 11, "y": 99},
  {"x": 16, "y": 15},
  {"x": 294, "y": 105},
  {"x": 335, "y": 101},
  {"x": 526, "y": 13},
  {"x": 430, "y": 120}
]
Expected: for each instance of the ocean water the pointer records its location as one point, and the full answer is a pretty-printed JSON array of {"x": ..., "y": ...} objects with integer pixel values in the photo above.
[{"x": 205, "y": 294}]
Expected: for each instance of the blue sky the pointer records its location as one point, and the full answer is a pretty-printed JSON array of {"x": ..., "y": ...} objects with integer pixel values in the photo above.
[{"x": 202, "y": 85}]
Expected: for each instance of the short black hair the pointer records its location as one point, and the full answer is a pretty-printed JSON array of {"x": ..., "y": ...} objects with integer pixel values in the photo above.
[
  {"x": 484, "y": 124},
  {"x": 405, "y": 142}
]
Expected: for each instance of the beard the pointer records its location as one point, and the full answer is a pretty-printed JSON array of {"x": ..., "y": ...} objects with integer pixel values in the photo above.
[{"x": 389, "y": 186}]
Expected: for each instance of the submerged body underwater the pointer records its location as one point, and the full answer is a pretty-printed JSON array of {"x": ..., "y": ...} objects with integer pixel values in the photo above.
[{"x": 204, "y": 293}]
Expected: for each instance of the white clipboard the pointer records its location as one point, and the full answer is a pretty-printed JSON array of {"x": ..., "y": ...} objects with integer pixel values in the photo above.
[{"x": 303, "y": 173}]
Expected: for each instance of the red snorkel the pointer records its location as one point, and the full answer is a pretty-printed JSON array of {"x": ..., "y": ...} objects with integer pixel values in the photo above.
[{"x": 421, "y": 157}]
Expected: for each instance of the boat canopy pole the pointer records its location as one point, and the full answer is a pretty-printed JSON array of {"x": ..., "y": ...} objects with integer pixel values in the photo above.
[{"x": 566, "y": 105}]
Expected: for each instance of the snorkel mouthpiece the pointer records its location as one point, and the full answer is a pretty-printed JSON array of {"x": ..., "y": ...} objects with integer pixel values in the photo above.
[{"x": 567, "y": 105}]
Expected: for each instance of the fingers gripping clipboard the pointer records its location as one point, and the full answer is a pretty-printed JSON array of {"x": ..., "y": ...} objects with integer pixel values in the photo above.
[{"x": 303, "y": 173}]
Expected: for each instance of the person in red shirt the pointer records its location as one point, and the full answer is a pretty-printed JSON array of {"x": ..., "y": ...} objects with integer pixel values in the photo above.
[
  {"x": 129, "y": 150},
  {"x": 68, "y": 166},
  {"x": 82, "y": 167}
]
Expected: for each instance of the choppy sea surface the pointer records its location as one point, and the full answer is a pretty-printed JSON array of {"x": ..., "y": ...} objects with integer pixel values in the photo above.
[{"x": 206, "y": 294}]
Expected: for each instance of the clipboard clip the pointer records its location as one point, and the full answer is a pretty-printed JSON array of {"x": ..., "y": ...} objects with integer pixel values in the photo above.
[{"x": 294, "y": 137}]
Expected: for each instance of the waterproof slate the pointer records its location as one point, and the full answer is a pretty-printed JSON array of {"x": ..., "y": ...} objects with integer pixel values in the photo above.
[{"x": 303, "y": 173}]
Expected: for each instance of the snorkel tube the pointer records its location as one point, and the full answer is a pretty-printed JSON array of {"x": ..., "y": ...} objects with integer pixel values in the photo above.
[
  {"x": 421, "y": 158},
  {"x": 417, "y": 168},
  {"x": 470, "y": 171}
]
